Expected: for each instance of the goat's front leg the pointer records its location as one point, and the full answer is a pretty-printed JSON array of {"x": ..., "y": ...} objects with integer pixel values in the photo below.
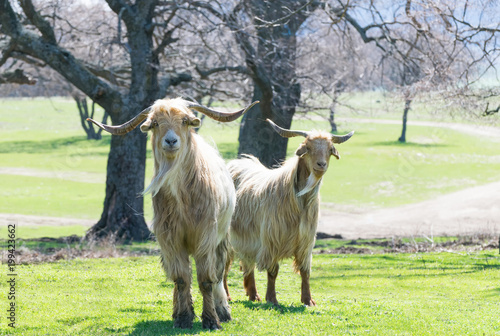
[
  {"x": 306, "y": 289},
  {"x": 183, "y": 314},
  {"x": 272, "y": 274},
  {"x": 205, "y": 267}
]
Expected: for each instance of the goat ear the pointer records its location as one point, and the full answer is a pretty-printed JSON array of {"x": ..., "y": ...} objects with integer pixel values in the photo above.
[
  {"x": 301, "y": 150},
  {"x": 195, "y": 122},
  {"x": 146, "y": 126},
  {"x": 335, "y": 153}
]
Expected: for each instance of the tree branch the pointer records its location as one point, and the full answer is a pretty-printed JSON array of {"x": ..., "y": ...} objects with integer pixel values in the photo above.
[
  {"x": 16, "y": 77},
  {"x": 40, "y": 23},
  {"x": 59, "y": 59},
  {"x": 204, "y": 74},
  {"x": 490, "y": 112}
]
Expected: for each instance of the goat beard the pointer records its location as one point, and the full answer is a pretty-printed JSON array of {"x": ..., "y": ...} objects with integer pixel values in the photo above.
[
  {"x": 159, "y": 179},
  {"x": 312, "y": 182}
]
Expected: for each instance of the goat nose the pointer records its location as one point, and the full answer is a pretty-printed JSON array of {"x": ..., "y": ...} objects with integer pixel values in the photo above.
[
  {"x": 321, "y": 164},
  {"x": 171, "y": 142}
]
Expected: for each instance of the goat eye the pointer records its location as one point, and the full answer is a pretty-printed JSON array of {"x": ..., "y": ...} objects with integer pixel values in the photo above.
[{"x": 184, "y": 121}]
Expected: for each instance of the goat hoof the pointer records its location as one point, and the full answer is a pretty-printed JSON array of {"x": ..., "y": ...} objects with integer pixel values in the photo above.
[
  {"x": 223, "y": 313},
  {"x": 211, "y": 324},
  {"x": 183, "y": 321},
  {"x": 273, "y": 301},
  {"x": 310, "y": 303},
  {"x": 255, "y": 297}
]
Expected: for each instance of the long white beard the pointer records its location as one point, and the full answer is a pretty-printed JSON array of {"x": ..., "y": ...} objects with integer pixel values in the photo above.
[
  {"x": 159, "y": 180},
  {"x": 312, "y": 182}
]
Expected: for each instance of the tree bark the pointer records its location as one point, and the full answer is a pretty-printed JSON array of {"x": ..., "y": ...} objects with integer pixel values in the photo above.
[
  {"x": 272, "y": 68},
  {"x": 402, "y": 138},
  {"x": 122, "y": 217},
  {"x": 331, "y": 118},
  {"x": 257, "y": 137}
]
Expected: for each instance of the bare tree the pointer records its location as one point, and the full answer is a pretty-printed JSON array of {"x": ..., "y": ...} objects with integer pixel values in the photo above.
[
  {"x": 266, "y": 35},
  {"x": 88, "y": 126},
  {"x": 143, "y": 31},
  {"x": 432, "y": 45}
]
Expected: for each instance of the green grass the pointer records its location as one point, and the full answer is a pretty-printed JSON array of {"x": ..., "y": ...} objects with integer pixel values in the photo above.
[
  {"x": 375, "y": 170},
  {"x": 403, "y": 294}
]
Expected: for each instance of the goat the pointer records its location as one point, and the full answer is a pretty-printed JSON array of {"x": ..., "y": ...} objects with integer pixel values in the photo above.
[
  {"x": 193, "y": 201},
  {"x": 277, "y": 210}
]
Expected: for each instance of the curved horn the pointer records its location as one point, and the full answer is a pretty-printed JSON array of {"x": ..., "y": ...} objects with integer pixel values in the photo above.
[
  {"x": 219, "y": 116},
  {"x": 341, "y": 138},
  {"x": 287, "y": 133},
  {"x": 126, "y": 127}
]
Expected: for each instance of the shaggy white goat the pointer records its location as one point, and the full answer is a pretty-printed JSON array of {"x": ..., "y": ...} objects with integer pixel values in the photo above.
[
  {"x": 193, "y": 201},
  {"x": 277, "y": 210}
]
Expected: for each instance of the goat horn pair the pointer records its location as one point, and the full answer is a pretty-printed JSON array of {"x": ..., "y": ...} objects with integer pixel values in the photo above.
[
  {"x": 290, "y": 134},
  {"x": 134, "y": 122}
]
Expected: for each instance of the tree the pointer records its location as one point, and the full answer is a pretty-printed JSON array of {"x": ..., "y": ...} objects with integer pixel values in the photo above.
[
  {"x": 51, "y": 39},
  {"x": 434, "y": 45},
  {"x": 88, "y": 126},
  {"x": 266, "y": 34},
  {"x": 422, "y": 36}
]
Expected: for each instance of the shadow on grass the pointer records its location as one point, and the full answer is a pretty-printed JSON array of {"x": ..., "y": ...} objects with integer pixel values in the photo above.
[
  {"x": 410, "y": 144},
  {"x": 47, "y": 146},
  {"x": 291, "y": 309},
  {"x": 164, "y": 328}
]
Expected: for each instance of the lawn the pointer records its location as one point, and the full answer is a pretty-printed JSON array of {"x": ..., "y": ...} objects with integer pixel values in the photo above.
[
  {"x": 49, "y": 168},
  {"x": 382, "y": 294}
]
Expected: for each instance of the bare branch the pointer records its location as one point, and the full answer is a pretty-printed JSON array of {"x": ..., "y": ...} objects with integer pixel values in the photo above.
[
  {"x": 40, "y": 23},
  {"x": 204, "y": 74},
  {"x": 16, "y": 77}
]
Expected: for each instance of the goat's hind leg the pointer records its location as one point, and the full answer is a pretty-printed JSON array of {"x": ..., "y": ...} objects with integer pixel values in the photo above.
[
  {"x": 220, "y": 289},
  {"x": 248, "y": 269},
  {"x": 272, "y": 274}
]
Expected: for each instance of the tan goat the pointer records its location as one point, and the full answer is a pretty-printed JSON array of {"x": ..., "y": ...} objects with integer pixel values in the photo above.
[
  {"x": 277, "y": 210},
  {"x": 193, "y": 201}
]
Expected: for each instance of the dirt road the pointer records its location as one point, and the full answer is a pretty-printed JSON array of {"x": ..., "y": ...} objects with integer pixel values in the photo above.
[{"x": 473, "y": 210}]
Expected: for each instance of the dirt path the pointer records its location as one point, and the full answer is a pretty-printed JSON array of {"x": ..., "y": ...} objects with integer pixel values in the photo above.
[
  {"x": 478, "y": 130},
  {"x": 473, "y": 210},
  {"x": 28, "y": 220},
  {"x": 64, "y": 175}
]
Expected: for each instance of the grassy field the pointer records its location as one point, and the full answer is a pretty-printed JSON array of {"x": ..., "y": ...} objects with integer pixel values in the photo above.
[
  {"x": 49, "y": 168},
  {"x": 403, "y": 294}
]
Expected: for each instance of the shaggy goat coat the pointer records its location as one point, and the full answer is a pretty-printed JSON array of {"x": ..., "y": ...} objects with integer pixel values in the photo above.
[
  {"x": 193, "y": 201},
  {"x": 271, "y": 222}
]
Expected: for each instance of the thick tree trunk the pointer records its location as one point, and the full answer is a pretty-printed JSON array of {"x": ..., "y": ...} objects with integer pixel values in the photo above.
[
  {"x": 256, "y": 135},
  {"x": 122, "y": 217},
  {"x": 273, "y": 73},
  {"x": 402, "y": 138}
]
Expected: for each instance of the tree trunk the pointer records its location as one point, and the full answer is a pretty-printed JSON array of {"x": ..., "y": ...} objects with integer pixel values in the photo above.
[
  {"x": 256, "y": 135},
  {"x": 274, "y": 77},
  {"x": 402, "y": 138},
  {"x": 331, "y": 118},
  {"x": 122, "y": 217}
]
